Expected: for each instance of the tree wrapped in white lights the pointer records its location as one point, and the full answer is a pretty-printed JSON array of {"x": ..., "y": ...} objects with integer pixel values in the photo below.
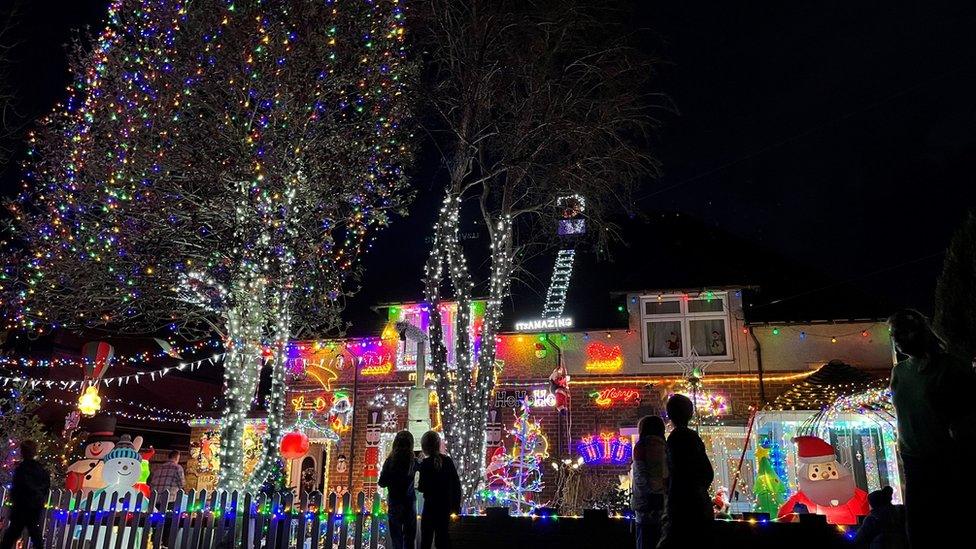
[
  {"x": 529, "y": 102},
  {"x": 218, "y": 166}
]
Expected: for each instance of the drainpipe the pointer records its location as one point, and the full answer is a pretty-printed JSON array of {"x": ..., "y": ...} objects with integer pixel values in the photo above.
[
  {"x": 759, "y": 367},
  {"x": 352, "y": 436},
  {"x": 559, "y": 422}
]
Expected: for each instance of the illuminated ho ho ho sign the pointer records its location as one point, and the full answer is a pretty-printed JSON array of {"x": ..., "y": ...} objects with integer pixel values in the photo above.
[{"x": 544, "y": 324}]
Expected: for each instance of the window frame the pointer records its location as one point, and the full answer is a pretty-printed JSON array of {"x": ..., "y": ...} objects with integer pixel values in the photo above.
[{"x": 684, "y": 317}]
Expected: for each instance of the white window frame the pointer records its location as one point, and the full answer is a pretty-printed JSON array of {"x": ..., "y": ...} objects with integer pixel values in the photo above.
[{"x": 684, "y": 317}]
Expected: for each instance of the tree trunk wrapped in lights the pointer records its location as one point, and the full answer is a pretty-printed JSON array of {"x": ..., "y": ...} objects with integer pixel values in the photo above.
[
  {"x": 217, "y": 167},
  {"x": 529, "y": 102}
]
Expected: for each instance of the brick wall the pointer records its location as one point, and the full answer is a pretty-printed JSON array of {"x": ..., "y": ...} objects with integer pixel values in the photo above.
[{"x": 564, "y": 433}]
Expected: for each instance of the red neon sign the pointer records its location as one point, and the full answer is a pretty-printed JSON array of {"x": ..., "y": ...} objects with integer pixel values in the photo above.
[
  {"x": 615, "y": 395},
  {"x": 376, "y": 363},
  {"x": 601, "y": 357}
]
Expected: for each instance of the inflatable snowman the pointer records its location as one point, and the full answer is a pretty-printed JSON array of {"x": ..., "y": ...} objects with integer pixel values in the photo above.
[
  {"x": 122, "y": 470},
  {"x": 85, "y": 475}
]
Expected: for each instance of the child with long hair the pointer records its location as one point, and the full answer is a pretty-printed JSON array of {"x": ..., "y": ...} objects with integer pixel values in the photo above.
[
  {"x": 442, "y": 493},
  {"x": 397, "y": 476}
]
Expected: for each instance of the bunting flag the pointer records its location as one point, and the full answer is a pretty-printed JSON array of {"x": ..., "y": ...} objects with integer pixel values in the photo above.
[{"x": 67, "y": 385}]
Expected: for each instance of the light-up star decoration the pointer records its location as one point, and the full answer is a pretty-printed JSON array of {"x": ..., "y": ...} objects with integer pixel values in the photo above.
[{"x": 693, "y": 370}]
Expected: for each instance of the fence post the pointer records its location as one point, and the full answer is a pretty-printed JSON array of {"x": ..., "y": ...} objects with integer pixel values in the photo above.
[
  {"x": 147, "y": 522},
  {"x": 320, "y": 508},
  {"x": 374, "y": 523},
  {"x": 360, "y": 520},
  {"x": 343, "y": 523},
  {"x": 94, "y": 518},
  {"x": 259, "y": 519},
  {"x": 303, "y": 519}
]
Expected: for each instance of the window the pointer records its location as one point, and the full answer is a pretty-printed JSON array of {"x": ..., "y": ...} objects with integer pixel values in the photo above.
[{"x": 673, "y": 325}]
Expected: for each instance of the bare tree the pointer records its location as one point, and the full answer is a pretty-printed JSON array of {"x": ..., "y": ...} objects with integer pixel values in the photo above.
[
  {"x": 11, "y": 121},
  {"x": 531, "y": 101},
  {"x": 218, "y": 167}
]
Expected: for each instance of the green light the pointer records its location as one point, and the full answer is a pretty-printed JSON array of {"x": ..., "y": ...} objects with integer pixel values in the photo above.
[
  {"x": 775, "y": 331},
  {"x": 620, "y": 308}
]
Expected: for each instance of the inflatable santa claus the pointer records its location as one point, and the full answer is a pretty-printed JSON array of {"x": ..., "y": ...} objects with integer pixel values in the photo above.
[{"x": 826, "y": 487}]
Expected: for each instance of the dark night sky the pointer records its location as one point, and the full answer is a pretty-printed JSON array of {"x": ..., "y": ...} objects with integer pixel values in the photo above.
[{"x": 835, "y": 137}]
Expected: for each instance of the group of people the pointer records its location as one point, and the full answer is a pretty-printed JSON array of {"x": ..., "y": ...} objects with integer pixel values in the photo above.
[
  {"x": 931, "y": 389},
  {"x": 438, "y": 481},
  {"x": 670, "y": 483}
]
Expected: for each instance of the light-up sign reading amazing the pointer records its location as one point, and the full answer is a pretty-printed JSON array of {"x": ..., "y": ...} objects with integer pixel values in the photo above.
[
  {"x": 544, "y": 324},
  {"x": 613, "y": 396}
]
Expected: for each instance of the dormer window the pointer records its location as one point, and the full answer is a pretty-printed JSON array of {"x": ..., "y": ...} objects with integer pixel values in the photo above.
[{"x": 672, "y": 325}]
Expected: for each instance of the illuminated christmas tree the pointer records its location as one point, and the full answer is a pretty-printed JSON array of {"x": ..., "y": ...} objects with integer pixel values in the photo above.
[
  {"x": 514, "y": 475},
  {"x": 769, "y": 488},
  {"x": 217, "y": 166}
]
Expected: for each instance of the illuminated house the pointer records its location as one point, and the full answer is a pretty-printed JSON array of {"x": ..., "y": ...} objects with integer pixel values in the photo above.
[{"x": 351, "y": 396}]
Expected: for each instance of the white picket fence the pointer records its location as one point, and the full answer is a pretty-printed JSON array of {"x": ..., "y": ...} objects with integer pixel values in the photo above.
[{"x": 218, "y": 519}]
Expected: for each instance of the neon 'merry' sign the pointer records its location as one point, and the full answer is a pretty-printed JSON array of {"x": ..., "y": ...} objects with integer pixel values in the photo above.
[{"x": 611, "y": 396}]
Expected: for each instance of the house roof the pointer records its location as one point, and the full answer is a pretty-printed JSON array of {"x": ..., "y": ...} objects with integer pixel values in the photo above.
[
  {"x": 663, "y": 251},
  {"x": 822, "y": 388}
]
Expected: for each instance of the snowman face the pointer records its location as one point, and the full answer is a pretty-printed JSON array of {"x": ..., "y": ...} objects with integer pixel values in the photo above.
[
  {"x": 122, "y": 471},
  {"x": 96, "y": 450}
]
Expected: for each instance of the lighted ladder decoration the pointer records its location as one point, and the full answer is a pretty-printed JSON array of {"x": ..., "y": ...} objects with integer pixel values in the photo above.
[{"x": 562, "y": 271}]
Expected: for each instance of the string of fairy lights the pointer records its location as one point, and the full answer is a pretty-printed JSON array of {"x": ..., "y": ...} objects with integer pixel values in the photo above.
[
  {"x": 168, "y": 351},
  {"x": 118, "y": 381}
]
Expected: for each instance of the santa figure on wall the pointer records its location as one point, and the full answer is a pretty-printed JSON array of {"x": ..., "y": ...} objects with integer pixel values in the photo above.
[
  {"x": 826, "y": 486},
  {"x": 559, "y": 386}
]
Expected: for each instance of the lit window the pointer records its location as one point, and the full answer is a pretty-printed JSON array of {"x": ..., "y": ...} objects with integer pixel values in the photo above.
[{"x": 673, "y": 325}]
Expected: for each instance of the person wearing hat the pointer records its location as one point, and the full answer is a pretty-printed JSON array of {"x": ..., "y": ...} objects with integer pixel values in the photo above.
[
  {"x": 85, "y": 475},
  {"x": 826, "y": 486}
]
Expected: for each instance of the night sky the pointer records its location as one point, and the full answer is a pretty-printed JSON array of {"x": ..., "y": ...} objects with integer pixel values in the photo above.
[{"x": 827, "y": 147}]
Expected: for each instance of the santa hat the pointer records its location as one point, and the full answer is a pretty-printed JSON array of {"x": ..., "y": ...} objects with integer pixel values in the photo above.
[{"x": 813, "y": 449}]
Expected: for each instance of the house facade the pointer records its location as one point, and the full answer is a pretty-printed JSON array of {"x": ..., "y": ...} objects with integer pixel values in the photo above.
[{"x": 351, "y": 396}]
